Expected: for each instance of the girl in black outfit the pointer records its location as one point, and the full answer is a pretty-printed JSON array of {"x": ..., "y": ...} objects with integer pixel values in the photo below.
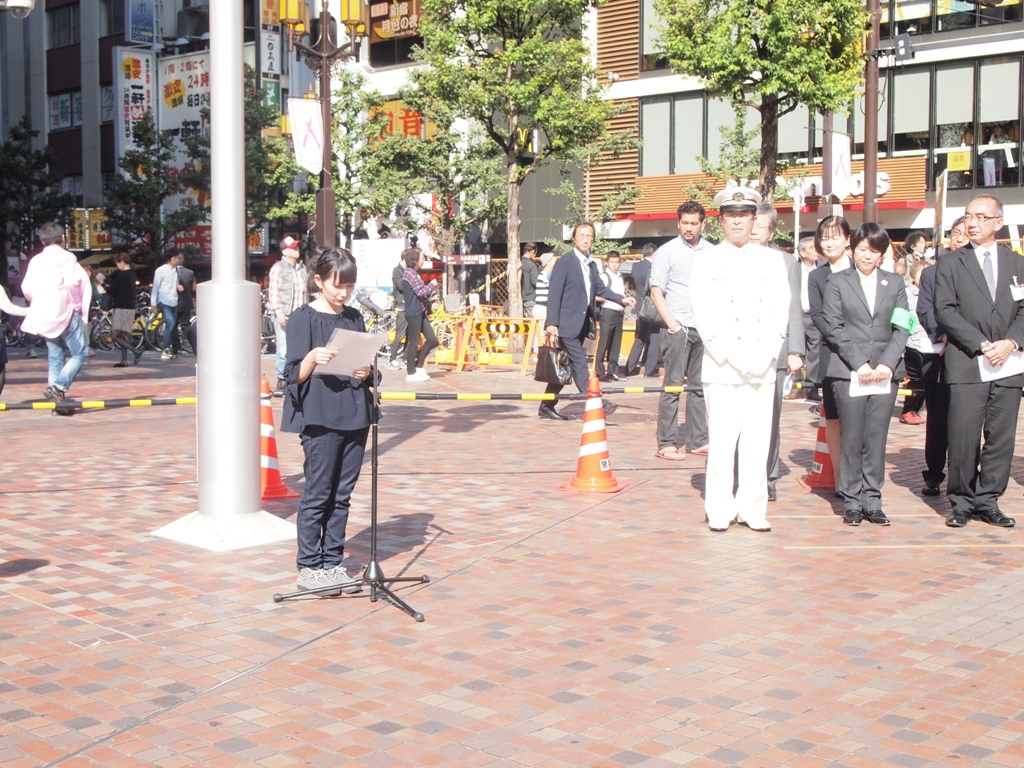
[
  {"x": 331, "y": 414},
  {"x": 121, "y": 288}
]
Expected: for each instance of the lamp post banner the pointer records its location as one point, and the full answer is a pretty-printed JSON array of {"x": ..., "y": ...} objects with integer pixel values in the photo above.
[{"x": 307, "y": 133}]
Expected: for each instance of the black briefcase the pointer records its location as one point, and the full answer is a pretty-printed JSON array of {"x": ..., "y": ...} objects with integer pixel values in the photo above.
[{"x": 553, "y": 366}]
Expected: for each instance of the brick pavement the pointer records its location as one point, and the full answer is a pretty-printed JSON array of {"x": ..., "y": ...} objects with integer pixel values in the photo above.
[{"x": 562, "y": 629}]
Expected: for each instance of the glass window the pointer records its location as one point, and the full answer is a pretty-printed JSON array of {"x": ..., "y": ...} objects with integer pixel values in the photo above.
[
  {"x": 688, "y": 134},
  {"x": 793, "y": 136},
  {"x": 390, "y": 53},
  {"x": 910, "y": 107},
  {"x": 62, "y": 26},
  {"x": 1008, "y": 10},
  {"x": 954, "y": 124},
  {"x": 650, "y": 37},
  {"x": 113, "y": 17},
  {"x": 655, "y": 131},
  {"x": 883, "y": 122},
  {"x": 912, "y": 16},
  {"x": 721, "y": 115},
  {"x": 999, "y": 119}
]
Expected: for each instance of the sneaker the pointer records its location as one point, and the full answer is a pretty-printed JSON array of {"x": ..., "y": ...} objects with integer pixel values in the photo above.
[
  {"x": 312, "y": 578},
  {"x": 54, "y": 394},
  {"x": 167, "y": 355},
  {"x": 29, "y": 353},
  {"x": 420, "y": 375},
  {"x": 910, "y": 417},
  {"x": 281, "y": 385},
  {"x": 337, "y": 576},
  {"x": 395, "y": 365}
]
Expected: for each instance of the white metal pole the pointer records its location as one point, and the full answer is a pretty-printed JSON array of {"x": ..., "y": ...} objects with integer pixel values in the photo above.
[{"x": 228, "y": 373}]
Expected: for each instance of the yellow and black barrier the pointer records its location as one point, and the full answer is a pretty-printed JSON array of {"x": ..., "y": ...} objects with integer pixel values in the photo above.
[
  {"x": 46, "y": 405},
  {"x": 95, "y": 405}
]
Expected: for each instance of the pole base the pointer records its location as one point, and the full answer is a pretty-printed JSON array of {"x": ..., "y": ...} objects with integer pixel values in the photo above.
[{"x": 224, "y": 533}]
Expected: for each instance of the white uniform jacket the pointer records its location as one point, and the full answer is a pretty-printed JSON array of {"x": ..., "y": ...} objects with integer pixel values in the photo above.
[{"x": 741, "y": 302}]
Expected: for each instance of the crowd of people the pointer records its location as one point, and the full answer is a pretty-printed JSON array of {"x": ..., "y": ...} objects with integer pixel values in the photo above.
[{"x": 742, "y": 321}]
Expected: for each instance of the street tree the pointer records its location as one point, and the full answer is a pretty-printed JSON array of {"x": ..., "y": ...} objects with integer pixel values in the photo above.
[
  {"x": 771, "y": 55},
  {"x": 522, "y": 70},
  {"x": 441, "y": 172},
  {"x": 29, "y": 190},
  {"x": 149, "y": 176},
  {"x": 270, "y": 166}
]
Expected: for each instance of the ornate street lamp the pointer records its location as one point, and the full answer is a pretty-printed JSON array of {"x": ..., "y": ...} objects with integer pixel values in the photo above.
[{"x": 320, "y": 57}]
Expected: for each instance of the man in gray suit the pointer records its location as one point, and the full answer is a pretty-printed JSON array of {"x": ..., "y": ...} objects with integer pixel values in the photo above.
[
  {"x": 790, "y": 358},
  {"x": 978, "y": 300}
]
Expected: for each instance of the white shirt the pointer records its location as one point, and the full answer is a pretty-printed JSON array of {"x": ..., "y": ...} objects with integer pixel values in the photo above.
[
  {"x": 165, "y": 286},
  {"x": 869, "y": 284},
  {"x": 585, "y": 262},
  {"x": 979, "y": 252},
  {"x": 614, "y": 281},
  {"x": 805, "y": 276}
]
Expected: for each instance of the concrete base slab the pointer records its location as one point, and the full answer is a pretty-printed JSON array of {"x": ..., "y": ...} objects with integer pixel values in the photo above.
[{"x": 224, "y": 533}]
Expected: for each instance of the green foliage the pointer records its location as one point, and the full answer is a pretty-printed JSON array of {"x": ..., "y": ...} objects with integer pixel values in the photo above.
[
  {"x": 447, "y": 183},
  {"x": 270, "y": 164},
  {"x": 27, "y": 196},
  {"x": 769, "y": 54},
  {"x": 149, "y": 176},
  {"x": 522, "y": 70}
]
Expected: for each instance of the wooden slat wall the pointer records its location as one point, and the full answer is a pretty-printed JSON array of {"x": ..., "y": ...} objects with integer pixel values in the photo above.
[
  {"x": 609, "y": 171},
  {"x": 618, "y": 38},
  {"x": 665, "y": 193}
]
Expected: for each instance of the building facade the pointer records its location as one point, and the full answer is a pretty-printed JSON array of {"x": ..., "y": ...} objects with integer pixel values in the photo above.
[{"x": 956, "y": 106}]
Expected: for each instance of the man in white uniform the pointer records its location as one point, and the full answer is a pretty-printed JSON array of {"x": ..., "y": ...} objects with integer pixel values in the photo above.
[{"x": 741, "y": 303}]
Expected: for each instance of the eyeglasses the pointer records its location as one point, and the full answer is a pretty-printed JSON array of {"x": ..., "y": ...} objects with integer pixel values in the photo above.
[{"x": 979, "y": 217}]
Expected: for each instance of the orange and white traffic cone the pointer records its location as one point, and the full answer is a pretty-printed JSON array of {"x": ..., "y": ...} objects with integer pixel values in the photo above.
[
  {"x": 594, "y": 469},
  {"x": 822, "y": 475},
  {"x": 271, "y": 485}
]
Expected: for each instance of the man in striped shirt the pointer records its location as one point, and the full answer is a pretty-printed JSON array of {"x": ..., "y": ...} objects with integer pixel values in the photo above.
[{"x": 681, "y": 345}]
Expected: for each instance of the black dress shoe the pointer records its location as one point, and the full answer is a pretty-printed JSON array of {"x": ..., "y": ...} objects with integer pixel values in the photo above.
[
  {"x": 930, "y": 489},
  {"x": 852, "y": 517},
  {"x": 614, "y": 377},
  {"x": 814, "y": 395},
  {"x": 993, "y": 517},
  {"x": 610, "y": 407},
  {"x": 876, "y": 516},
  {"x": 604, "y": 377},
  {"x": 549, "y": 412},
  {"x": 957, "y": 519},
  {"x": 773, "y": 495}
]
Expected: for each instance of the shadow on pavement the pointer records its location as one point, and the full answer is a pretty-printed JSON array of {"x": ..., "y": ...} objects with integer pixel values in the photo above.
[{"x": 20, "y": 566}]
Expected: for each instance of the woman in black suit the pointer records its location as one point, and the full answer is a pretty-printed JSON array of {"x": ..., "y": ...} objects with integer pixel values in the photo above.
[{"x": 865, "y": 330}]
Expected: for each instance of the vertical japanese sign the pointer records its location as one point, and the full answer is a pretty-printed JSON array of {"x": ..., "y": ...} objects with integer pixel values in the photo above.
[
  {"x": 389, "y": 20},
  {"x": 270, "y": 52},
  {"x": 140, "y": 21},
  {"x": 184, "y": 92},
  {"x": 134, "y": 90}
]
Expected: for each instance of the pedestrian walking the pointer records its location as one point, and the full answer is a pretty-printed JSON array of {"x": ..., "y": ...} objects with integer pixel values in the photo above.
[
  {"x": 59, "y": 294},
  {"x": 122, "y": 290},
  {"x": 609, "y": 345},
  {"x": 10, "y": 309},
  {"x": 401, "y": 324},
  {"x": 645, "y": 347},
  {"x": 163, "y": 298},
  {"x": 812, "y": 336},
  {"x": 286, "y": 291},
  {"x": 417, "y": 315},
  {"x": 331, "y": 413}
]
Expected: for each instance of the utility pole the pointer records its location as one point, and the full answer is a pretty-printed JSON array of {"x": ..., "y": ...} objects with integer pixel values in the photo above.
[{"x": 871, "y": 117}]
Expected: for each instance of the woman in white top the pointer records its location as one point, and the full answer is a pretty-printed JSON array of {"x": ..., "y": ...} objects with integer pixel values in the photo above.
[{"x": 10, "y": 309}]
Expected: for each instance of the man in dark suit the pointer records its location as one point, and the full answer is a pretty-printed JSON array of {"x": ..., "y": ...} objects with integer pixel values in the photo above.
[
  {"x": 572, "y": 309},
  {"x": 790, "y": 359},
  {"x": 647, "y": 334},
  {"x": 979, "y": 304},
  {"x": 936, "y": 390}
]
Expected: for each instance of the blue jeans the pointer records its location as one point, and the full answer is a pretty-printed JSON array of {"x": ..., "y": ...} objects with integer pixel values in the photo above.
[
  {"x": 72, "y": 340},
  {"x": 280, "y": 347},
  {"x": 170, "y": 321},
  {"x": 333, "y": 461}
]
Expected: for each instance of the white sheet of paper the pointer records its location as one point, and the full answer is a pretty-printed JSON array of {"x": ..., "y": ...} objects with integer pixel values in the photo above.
[
  {"x": 929, "y": 347},
  {"x": 874, "y": 388},
  {"x": 355, "y": 350},
  {"x": 1013, "y": 365}
]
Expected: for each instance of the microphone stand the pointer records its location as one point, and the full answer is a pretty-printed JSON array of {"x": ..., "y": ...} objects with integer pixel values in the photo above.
[{"x": 373, "y": 576}]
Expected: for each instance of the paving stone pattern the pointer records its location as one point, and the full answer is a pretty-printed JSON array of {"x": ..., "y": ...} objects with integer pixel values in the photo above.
[{"x": 562, "y": 629}]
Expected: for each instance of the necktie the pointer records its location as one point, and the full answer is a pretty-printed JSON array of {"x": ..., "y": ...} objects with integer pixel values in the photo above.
[{"x": 990, "y": 278}]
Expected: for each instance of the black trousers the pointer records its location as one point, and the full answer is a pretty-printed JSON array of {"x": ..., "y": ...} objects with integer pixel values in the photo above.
[
  {"x": 925, "y": 372},
  {"x": 776, "y": 438},
  {"x": 647, "y": 338},
  {"x": 865, "y": 427},
  {"x": 418, "y": 324},
  {"x": 610, "y": 344},
  {"x": 401, "y": 329},
  {"x": 976, "y": 410},
  {"x": 578, "y": 362},
  {"x": 333, "y": 461}
]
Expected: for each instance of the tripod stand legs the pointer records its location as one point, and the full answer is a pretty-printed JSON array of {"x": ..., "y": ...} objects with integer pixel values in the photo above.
[{"x": 378, "y": 584}]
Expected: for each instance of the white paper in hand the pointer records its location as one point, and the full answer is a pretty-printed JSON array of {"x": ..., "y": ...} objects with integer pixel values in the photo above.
[
  {"x": 355, "y": 350},
  {"x": 874, "y": 388},
  {"x": 1012, "y": 366}
]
